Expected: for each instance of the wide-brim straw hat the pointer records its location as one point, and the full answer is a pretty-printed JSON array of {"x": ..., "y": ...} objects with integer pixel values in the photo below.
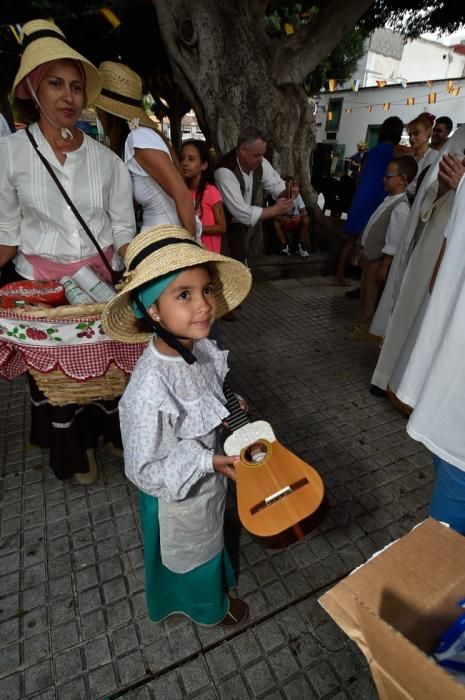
[
  {"x": 155, "y": 252},
  {"x": 42, "y": 42},
  {"x": 121, "y": 93}
]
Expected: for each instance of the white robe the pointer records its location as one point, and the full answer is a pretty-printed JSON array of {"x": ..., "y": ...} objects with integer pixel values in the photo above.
[
  {"x": 434, "y": 381},
  {"x": 381, "y": 319}
]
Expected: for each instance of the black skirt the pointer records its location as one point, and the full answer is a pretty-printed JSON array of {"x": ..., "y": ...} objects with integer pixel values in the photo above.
[{"x": 69, "y": 431}]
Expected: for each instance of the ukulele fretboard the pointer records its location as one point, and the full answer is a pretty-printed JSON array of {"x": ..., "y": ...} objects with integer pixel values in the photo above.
[{"x": 237, "y": 418}]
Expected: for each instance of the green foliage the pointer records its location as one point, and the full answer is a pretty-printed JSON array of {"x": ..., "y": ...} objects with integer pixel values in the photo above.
[{"x": 340, "y": 64}]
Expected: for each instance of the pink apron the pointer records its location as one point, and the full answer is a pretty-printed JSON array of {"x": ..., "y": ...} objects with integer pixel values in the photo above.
[{"x": 45, "y": 269}]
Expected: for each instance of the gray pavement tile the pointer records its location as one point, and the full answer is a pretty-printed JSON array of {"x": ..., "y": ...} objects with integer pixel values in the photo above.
[
  {"x": 9, "y": 659},
  {"x": 118, "y": 613},
  {"x": 270, "y": 636},
  {"x": 125, "y": 639},
  {"x": 195, "y": 676},
  {"x": 283, "y": 664},
  {"x": 73, "y": 690},
  {"x": 221, "y": 662},
  {"x": 97, "y": 652},
  {"x": 183, "y": 642},
  {"x": 259, "y": 678},
  {"x": 84, "y": 557},
  {"x": 298, "y": 689},
  {"x": 233, "y": 689},
  {"x": 9, "y": 606},
  {"x": 68, "y": 665},
  {"x": 349, "y": 663},
  {"x": 64, "y": 609},
  {"x": 131, "y": 668},
  {"x": 102, "y": 681},
  {"x": 363, "y": 688},
  {"x": 246, "y": 648},
  {"x": 61, "y": 587},
  {"x": 36, "y": 648},
  {"x": 167, "y": 686},
  {"x": 34, "y": 622},
  {"x": 33, "y": 597},
  {"x": 34, "y": 575},
  {"x": 64, "y": 636},
  {"x": 37, "y": 678},
  {"x": 158, "y": 654},
  {"x": 9, "y": 632},
  {"x": 323, "y": 679}
]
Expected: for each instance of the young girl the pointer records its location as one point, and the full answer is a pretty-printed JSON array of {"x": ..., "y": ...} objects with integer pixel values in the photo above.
[
  {"x": 170, "y": 414},
  {"x": 195, "y": 164}
]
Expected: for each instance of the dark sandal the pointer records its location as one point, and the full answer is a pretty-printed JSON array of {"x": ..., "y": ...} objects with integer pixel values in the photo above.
[{"x": 237, "y": 614}]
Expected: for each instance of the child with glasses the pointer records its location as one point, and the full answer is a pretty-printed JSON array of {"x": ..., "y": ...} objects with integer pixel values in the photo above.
[{"x": 382, "y": 234}]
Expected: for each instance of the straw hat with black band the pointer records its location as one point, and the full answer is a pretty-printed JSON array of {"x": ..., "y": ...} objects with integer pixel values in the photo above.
[
  {"x": 43, "y": 42},
  {"x": 121, "y": 94},
  {"x": 155, "y": 253}
]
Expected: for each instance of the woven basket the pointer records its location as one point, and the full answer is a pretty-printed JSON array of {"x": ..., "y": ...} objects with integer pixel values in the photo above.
[{"x": 61, "y": 389}]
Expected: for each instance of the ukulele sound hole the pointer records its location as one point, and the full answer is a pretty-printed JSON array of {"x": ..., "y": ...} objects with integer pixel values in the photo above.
[{"x": 256, "y": 453}]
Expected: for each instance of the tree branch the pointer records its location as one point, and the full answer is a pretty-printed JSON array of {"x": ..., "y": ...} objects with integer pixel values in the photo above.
[{"x": 298, "y": 55}]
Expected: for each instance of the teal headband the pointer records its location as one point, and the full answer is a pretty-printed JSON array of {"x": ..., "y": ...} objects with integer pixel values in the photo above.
[{"x": 150, "y": 292}]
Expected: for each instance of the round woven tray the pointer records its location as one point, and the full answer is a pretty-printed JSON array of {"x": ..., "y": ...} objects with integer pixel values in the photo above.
[{"x": 61, "y": 389}]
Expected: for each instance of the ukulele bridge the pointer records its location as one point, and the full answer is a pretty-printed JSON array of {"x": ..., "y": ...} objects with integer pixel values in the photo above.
[{"x": 278, "y": 495}]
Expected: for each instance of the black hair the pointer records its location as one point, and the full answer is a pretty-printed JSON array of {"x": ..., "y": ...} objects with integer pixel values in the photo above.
[
  {"x": 407, "y": 166},
  {"x": 249, "y": 135},
  {"x": 206, "y": 176},
  {"x": 447, "y": 121},
  {"x": 391, "y": 130}
]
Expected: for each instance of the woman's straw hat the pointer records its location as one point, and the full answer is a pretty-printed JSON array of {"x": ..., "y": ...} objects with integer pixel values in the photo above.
[
  {"x": 121, "y": 93},
  {"x": 155, "y": 252},
  {"x": 43, "y": 41}
]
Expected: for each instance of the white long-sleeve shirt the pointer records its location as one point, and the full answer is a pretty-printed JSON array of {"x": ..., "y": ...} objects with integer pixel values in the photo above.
[
  {"x": 34, "y": 215},
  {"x": 240, "y": 206}
]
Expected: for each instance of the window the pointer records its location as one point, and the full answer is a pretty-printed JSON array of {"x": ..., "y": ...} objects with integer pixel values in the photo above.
[{"x": 333, "y": 114}]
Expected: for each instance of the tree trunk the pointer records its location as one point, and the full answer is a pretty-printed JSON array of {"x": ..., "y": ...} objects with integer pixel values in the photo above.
[{"x": 228, "y": 69}]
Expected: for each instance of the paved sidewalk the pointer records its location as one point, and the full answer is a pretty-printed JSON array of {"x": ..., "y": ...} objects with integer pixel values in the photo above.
[{"x": 73, "y": 622}]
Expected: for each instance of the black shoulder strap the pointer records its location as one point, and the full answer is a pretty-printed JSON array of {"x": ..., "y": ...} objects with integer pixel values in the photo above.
[{"x": 69, "y": 201}]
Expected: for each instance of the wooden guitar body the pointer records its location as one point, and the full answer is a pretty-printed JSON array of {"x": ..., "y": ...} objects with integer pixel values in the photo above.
[{"x": 276, "y": 490}]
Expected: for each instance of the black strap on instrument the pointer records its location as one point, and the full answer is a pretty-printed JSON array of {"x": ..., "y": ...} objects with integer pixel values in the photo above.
[{"x": 115, "y": 274}]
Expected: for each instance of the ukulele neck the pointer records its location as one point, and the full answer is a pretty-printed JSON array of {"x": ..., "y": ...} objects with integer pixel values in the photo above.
[{"x": 237, "y": 417}]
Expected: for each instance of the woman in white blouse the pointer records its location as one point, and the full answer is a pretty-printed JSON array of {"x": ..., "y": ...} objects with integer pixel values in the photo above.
[
  {"x": 158, "y": 185},
  {"x": 38, "y": 229}
]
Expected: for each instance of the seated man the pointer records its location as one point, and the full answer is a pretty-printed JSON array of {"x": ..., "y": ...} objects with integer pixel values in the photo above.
[
  {"x": 294, "y": 220},
  {"x": 240, "y": 176}
]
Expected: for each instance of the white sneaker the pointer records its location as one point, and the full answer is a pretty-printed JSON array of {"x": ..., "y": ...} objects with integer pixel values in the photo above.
[
  {"x": 303, "y": 252},
  {"x": 285, "y": 250}
]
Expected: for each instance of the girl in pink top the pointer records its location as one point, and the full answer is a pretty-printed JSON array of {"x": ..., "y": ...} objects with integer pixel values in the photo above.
[{"x": 195, "y": 164}]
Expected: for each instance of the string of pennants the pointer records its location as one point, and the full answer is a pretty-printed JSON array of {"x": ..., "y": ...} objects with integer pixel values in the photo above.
[{"x": 431, "y": 98}]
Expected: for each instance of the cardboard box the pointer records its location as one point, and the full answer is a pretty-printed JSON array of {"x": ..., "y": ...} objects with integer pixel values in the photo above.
[{"x": 396, "y": 606}]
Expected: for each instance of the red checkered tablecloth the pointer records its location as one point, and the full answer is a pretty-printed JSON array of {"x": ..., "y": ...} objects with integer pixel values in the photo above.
[{"x": 77, "y": 347}]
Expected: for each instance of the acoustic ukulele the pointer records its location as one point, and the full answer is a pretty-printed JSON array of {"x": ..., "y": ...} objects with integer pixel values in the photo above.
[{"x": 276, "y": 490}]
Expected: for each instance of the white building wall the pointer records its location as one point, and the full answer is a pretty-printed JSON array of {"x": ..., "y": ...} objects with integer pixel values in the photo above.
[
  {"x": 353, "y": 127},
  {"x": 430, "y": 60}
]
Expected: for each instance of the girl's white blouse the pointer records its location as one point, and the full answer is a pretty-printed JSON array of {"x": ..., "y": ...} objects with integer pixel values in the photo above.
[
  {"x": 34, "y": 215},
  {"x": 169, "y": 415}
]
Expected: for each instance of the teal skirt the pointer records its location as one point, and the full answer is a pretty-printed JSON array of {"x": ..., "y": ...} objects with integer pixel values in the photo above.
[{"x": 200, "y": 594}]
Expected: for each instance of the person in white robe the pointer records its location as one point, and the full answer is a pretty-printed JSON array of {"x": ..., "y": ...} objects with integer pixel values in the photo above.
[
  {"x": 434, "y": 380},
  {"x": 406, "y": 294}
]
